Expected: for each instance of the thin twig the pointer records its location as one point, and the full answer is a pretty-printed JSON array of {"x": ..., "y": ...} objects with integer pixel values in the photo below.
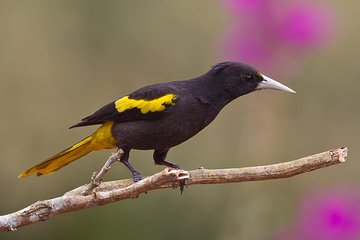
[
  {"x": 96, "y": 179},
  {"x": 108, "y": 192}
]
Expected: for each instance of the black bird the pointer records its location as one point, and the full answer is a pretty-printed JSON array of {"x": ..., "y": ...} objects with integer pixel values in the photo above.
[{"x": 161, "y": 116}]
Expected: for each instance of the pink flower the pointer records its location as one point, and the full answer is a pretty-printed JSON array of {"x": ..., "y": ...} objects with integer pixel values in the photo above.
[
  {"x": 274, "y": 35},
  {"x": 330, "y": 215},
  {"x": 306, "y": 25}
]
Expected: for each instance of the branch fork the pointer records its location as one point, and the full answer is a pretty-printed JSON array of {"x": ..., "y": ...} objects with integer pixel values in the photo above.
[{"x": 96, "y": 178}]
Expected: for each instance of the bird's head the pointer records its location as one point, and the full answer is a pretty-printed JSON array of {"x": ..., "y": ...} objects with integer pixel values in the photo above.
[{"x": 239, "y": 79}]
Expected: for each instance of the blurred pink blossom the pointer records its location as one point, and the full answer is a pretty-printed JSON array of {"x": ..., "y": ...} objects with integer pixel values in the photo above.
[
  {"x": 306, "y": 25},
  {"x": 275, "y": 34},
  {"x": 329, "y": 215}
]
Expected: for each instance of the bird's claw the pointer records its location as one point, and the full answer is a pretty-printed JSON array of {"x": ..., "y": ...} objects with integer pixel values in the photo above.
[
  {"x": 137, "y": 176},
  {"x": 182, "y": 185},
  {"x": 182, "y": 177}
]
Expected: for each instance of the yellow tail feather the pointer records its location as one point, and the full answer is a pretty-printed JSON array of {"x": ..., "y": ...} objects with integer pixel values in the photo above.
[{"x": 101, "y": 139}]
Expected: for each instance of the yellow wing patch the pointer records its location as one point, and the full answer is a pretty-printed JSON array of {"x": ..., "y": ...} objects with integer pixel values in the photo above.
[{"x": 145, "y": 106}]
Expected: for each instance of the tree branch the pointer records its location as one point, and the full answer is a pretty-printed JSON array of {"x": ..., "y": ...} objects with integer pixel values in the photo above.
[{"x": 108, "y": 192}]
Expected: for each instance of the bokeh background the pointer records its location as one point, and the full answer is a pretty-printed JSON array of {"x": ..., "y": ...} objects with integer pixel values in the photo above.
[{"x": 61, "y": 60}]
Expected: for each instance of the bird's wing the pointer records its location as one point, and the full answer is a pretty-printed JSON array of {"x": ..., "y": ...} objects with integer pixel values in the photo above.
[{"x": 147, "y": 103}]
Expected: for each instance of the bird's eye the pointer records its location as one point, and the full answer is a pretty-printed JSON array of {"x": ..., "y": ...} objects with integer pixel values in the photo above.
[{"x": 248, "y": 76}]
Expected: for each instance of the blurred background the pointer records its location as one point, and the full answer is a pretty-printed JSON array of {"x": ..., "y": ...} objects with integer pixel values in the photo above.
[{"x": 62, "y": 60}]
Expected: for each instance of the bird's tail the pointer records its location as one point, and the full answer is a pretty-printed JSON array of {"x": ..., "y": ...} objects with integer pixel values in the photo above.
[{"x": 101, "y": 139}]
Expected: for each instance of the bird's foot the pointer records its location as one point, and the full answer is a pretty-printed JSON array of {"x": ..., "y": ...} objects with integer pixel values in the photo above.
[
  {"x": 182, "y": 185},
  {"x": 136, "y": 176},
  {"x": 181, "y": 179}
]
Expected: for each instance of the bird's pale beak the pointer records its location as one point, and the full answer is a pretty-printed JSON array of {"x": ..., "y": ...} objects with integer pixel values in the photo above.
[{"x": 269, "y": 83}]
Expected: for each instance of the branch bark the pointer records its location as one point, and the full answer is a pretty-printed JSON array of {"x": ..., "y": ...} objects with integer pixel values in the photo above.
[{"x": 108, "y": 192}]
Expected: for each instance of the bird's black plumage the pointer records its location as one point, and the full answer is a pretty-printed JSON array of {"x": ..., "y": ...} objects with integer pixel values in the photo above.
[{"x": 161, "y": 116}]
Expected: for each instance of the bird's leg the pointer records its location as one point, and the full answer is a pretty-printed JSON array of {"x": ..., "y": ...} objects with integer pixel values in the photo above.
[
  {"x": 125, "y": 160},
  {"x": 160, "y": 156},
  {"x": 159, "y": 159}
]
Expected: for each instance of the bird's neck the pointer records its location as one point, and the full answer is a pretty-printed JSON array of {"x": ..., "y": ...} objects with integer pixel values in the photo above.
[{"x": 213, "y": 90}]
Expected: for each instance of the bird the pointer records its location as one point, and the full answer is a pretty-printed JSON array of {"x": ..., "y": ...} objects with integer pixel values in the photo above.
[{"x": 161, "y": 116}]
